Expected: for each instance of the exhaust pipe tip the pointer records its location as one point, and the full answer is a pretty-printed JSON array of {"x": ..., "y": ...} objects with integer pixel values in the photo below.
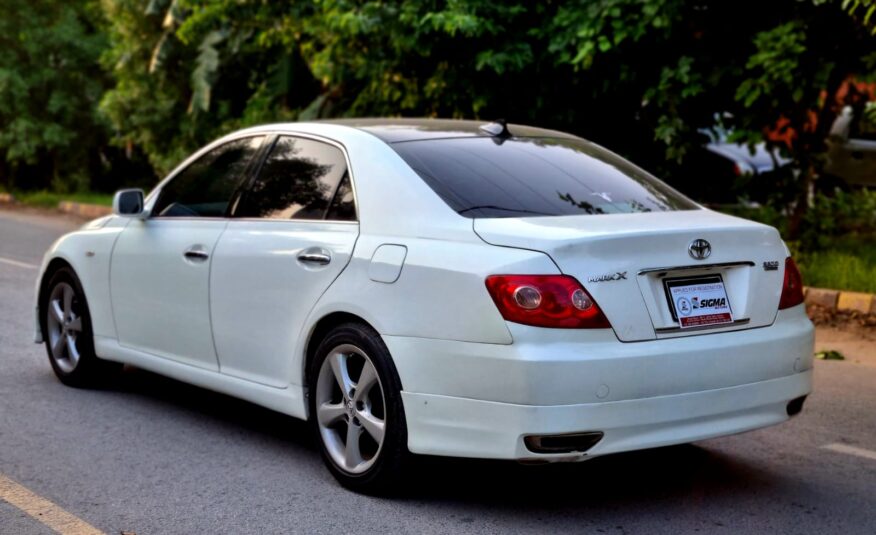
[
  {"x": 568, "y": 443},
  {"x": 795, "y": 406}
]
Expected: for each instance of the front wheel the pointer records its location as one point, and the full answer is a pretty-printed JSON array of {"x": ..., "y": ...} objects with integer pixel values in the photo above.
[
  {"x": 67, "y": 332},
  {"x": 356, "y": 409}
]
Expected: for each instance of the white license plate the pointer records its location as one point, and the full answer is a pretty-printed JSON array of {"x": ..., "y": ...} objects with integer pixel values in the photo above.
[{"x": 699, "y": 302}]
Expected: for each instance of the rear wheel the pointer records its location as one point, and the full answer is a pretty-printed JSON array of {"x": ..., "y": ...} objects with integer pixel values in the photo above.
[
  {"x": 356, "y": 409},
  {"x": 67, "y": 332}
]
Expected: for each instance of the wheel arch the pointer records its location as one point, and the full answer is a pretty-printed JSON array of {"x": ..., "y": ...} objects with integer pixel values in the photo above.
[
  {"x": 319, "y": 331},
  {"x": 87, "y": 253}
]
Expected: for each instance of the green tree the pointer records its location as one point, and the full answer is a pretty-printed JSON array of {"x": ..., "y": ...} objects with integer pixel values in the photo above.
[
  {"x": 639, "y": 77},
  {"x": 175, "y": 90},
  {"x": 50, "y": 83},
  {"x": 147, "y": 105},
  {"x": 773, "y": 65}
]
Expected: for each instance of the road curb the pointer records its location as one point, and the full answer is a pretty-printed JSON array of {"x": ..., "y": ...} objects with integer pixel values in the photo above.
[
  {"x": 841, "y": 300},
  {"x": 84, "y": 210}
]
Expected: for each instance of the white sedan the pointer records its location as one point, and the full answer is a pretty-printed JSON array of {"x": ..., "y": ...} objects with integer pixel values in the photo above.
[{"x": 437, "y": 287}]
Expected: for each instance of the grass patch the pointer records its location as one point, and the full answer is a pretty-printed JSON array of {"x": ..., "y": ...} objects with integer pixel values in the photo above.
[
  {"x": 848, "y": 265},
  {"x": 830, "y": 354},
  {"x": 847, "y": 262},
  {"x": 47, "y": 199}
]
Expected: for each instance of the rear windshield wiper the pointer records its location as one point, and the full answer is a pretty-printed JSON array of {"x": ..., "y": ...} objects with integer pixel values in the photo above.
[{"x": 494, "y": 207}]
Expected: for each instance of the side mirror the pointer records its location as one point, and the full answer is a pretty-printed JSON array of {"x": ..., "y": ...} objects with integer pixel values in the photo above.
[{"x": 128, "y": 202}]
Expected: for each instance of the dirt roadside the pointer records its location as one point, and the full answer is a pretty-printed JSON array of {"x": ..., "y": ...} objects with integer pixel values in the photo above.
[
  {"x": 857, "y": 346},
  {"x": 44, "y": 215},
  {"x": 850, "y": 333}
]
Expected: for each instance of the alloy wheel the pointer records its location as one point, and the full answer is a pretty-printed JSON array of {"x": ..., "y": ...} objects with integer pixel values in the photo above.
[
  {"x": 64, "y": 326},
  {"x": 350, "y": 409}
]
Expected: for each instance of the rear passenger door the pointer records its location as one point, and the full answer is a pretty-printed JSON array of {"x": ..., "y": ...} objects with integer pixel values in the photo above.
[{"x": 291, "y": 235}]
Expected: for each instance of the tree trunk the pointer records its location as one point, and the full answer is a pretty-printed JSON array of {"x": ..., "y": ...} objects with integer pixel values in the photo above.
[{"x": 809, "y": 147}]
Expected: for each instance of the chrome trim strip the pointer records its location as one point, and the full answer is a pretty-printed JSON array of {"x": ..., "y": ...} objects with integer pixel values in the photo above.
[
  {"x": 691, "y": 267},
  {"x": 736, "y": 323},
  {"x": 265, "y": 220},
  {"x": 252, "y": 220}
]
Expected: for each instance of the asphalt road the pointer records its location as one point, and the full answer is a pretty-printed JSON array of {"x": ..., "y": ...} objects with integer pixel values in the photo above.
[{"x": 152, "y": 455}]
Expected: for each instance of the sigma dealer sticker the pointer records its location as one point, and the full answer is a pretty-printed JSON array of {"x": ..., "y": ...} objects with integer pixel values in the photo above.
[{"x": 700, "y": 303}]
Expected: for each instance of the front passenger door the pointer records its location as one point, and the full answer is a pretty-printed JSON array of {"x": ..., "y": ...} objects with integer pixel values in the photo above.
[
  {"x": 160, "y": 267},
  {"x": 291, "y": 235}
]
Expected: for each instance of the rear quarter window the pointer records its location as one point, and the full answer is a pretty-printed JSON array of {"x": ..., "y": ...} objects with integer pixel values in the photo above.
[{"x": 520, "y": 177}]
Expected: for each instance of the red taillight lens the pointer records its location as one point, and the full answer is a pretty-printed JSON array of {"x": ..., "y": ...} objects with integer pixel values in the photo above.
[
  {"x": 792, "y": 288},
  {"x": 546, "y": 301}
]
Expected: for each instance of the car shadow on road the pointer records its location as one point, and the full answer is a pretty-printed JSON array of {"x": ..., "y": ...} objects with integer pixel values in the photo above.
[
  {"x": 225, "y": 410},
  {"x": 688, "y": 472}
]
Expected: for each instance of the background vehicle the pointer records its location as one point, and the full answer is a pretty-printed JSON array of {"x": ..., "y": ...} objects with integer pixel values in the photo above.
[
  {"x": 851, "y": 155},
  {"x": 721, "y": 172},
  {"x": 437, "y": 287}
]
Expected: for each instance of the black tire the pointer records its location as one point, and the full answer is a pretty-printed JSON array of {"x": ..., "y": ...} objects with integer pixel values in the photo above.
[
  {"x": 88, "y": 370},
  {"x": 385, "y": 473}
]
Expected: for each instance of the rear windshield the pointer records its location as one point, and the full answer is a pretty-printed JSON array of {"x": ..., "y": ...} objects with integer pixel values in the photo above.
[{"x": 485, "y": 177}]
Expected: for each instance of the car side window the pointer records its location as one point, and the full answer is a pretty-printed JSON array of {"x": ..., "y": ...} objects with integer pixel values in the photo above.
[
  {"x": 204, "y": 188},
  {"x": 343, "y": 207},
  {"x": 298, "y": 180}
]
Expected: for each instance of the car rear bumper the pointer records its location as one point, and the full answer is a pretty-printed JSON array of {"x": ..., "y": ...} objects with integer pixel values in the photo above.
[
  {"x": 459, "y": 427},
  {"x": 481, "y": 400}
]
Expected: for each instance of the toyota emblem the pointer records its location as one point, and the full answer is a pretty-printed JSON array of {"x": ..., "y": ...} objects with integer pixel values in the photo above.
[{"x": 699, "y": 249}]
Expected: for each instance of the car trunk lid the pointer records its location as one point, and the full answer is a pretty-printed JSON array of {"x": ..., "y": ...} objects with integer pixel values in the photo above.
[{"x": 625, "y": 260}]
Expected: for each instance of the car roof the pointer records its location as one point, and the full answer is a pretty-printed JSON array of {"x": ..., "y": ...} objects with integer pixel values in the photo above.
[{"x": 399, "y": 130}]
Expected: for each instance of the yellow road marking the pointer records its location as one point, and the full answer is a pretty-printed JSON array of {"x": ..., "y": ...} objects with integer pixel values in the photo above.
[
  {"x": 851, "y": 450},
  {"x": 17, "y": 263},
  {"x": 43, "y": 511}
]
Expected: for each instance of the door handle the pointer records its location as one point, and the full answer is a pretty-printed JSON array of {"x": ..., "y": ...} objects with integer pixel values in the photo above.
[
  {"x": 315, "y": 256},
  {"x": 196, "y": 253}
]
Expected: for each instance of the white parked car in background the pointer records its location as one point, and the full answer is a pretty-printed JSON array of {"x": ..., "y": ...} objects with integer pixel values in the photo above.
[
  {"x": 437, "y": 287},
  {"x": 851, "y": 150}
]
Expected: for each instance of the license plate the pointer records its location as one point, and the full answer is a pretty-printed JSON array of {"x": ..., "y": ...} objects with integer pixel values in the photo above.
[{"x": 697, "y": 302}]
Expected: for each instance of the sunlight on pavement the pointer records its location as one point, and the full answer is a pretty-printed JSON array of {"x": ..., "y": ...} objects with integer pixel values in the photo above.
[{"x": 851, "y": 450}]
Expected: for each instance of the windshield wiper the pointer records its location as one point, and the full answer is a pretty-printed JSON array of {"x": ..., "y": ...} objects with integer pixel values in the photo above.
[{"x": 494, "y": 207}]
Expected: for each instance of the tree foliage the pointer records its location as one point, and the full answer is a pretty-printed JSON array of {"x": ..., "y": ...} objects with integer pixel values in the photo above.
[
  {"x": 639, "y": 77},
  {"x": 50, "y": 84},
  {"x": 863, "y": 10}
]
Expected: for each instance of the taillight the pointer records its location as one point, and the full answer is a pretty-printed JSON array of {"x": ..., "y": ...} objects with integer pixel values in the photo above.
[
  {"x": 546, "y": 301},
  {"x": 792, "y": 288}
]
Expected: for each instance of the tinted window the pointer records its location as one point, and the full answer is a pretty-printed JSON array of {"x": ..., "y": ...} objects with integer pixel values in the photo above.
[
  {"x": 343, "y": 207},
  {"x": 204, "y": 188},
  {"x": 479, "y": 177},
  {"x": 297, "y": 181}
]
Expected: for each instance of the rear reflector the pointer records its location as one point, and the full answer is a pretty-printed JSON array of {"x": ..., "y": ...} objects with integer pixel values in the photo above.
[
  {"x": 557, "y": 301},
  {"x": 579, "y": 442},
  {"x": 792, "y": 288}
]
